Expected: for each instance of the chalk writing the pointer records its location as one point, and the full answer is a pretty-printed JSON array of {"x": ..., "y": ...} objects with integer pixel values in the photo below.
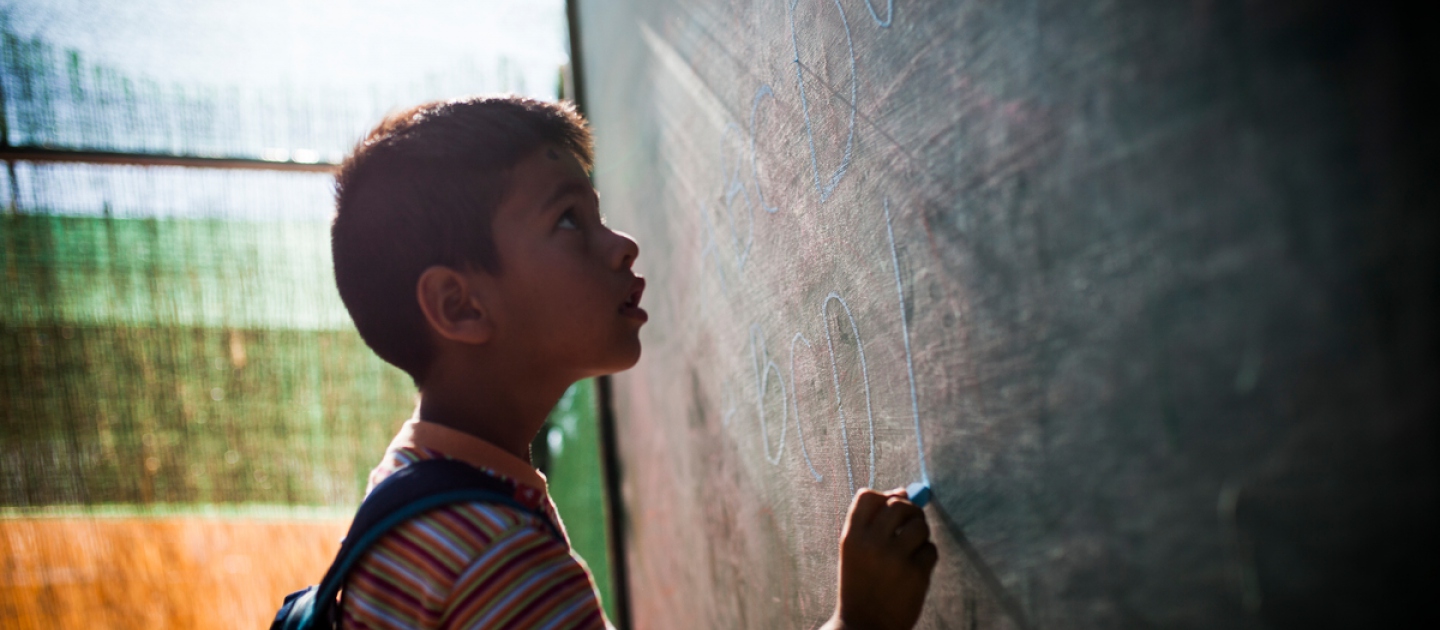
[
  {"x": 709, "y": 247},
  {"x": 829, "y": 186},
  {"x": 905, "y": 332},
  {"x": 763, "y": 367},
  {"x": 795, "y": 399},
  {"x": 736, "y": 192},
  {"x": 889, "y": 13},
  {"x": 735, "y": 188},
  {"x": 835, "y": 376}
]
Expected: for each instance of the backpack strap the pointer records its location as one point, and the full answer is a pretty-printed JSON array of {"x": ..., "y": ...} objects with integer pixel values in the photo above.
[{"x": 413, "y": 489}]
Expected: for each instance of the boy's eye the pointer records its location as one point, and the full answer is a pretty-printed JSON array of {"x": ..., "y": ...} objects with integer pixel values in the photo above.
[{"x": 567, "y": 221}]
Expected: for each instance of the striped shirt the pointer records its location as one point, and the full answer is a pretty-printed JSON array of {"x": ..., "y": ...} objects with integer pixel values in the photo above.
[{"x": 470, "y": 565}]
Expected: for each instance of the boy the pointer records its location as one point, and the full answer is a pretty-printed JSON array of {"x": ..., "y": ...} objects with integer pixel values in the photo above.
[{"x": 470, "y": 252}]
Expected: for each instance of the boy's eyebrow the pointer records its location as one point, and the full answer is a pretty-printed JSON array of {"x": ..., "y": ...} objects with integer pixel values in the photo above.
[{"x": 570, "y": 188}]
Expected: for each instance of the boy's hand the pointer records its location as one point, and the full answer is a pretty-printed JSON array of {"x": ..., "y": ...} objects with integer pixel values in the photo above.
[{"x": 886, "y": 558}]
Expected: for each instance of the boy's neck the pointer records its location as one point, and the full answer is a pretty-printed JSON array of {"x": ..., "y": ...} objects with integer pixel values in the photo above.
[{"x": 508, "y": 417}]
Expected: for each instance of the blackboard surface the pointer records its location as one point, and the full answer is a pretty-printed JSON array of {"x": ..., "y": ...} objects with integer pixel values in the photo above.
[{"x": 1145, "y": 290}]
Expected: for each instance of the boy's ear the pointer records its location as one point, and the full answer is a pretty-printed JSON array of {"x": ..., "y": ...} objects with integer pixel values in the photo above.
[{"x": 452, "y": 307}]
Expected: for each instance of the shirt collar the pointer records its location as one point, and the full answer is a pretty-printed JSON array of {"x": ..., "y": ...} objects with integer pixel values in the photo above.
[{"x": 432, "y": 436}]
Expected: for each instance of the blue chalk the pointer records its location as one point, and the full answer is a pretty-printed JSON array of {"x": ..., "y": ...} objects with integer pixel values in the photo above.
[{"x": 919, "y": 493}]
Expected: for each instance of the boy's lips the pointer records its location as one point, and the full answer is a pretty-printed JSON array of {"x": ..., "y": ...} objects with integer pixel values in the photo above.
[{"x": 631, "y": 307}]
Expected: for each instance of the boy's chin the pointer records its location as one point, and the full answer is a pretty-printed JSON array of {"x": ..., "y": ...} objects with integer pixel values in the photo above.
[
  {"x": 628, "y": 358},
  {"x": 619, "y": 361}
]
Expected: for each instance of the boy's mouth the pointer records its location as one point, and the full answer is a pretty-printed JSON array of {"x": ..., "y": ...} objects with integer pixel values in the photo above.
[{"x": 631, "y": 307}]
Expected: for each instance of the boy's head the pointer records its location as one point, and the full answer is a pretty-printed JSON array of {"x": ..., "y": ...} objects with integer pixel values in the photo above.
[{"x": 471, "y": 223}]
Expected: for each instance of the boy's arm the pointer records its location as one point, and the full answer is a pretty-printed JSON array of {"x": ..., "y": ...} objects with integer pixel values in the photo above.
[{"x": 886, "y": 559}]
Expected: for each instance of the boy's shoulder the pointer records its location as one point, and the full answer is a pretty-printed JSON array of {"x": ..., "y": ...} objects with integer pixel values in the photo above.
[{"x": 463, "y": 560}]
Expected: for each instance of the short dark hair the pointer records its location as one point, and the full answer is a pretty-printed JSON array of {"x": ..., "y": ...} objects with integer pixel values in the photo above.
[{"x": 420, "y": 190}]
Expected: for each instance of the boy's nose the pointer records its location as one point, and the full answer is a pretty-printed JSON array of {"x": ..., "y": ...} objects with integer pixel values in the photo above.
[{"x": 626, "y": 250}]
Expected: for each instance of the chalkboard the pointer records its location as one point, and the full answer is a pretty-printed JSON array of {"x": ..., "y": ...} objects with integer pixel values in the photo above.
[{"x": 1145, "y": 290}]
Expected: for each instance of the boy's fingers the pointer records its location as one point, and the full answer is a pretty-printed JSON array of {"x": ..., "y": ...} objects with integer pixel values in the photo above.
[
  {"x": 896, "y": 513},
  {"x": 926, "y": 556},
  {"x": 866, "y": 505},
  {"x": 912, "y": 534}
]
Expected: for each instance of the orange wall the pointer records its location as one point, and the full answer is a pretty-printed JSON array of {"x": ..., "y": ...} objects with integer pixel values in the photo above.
[{"x": 174, "y": 572}]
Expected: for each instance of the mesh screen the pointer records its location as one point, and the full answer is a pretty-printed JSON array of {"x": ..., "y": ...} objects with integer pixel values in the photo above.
[
  {"x": 171, "y": 337},
  {"x": 181, "y": 359}
]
